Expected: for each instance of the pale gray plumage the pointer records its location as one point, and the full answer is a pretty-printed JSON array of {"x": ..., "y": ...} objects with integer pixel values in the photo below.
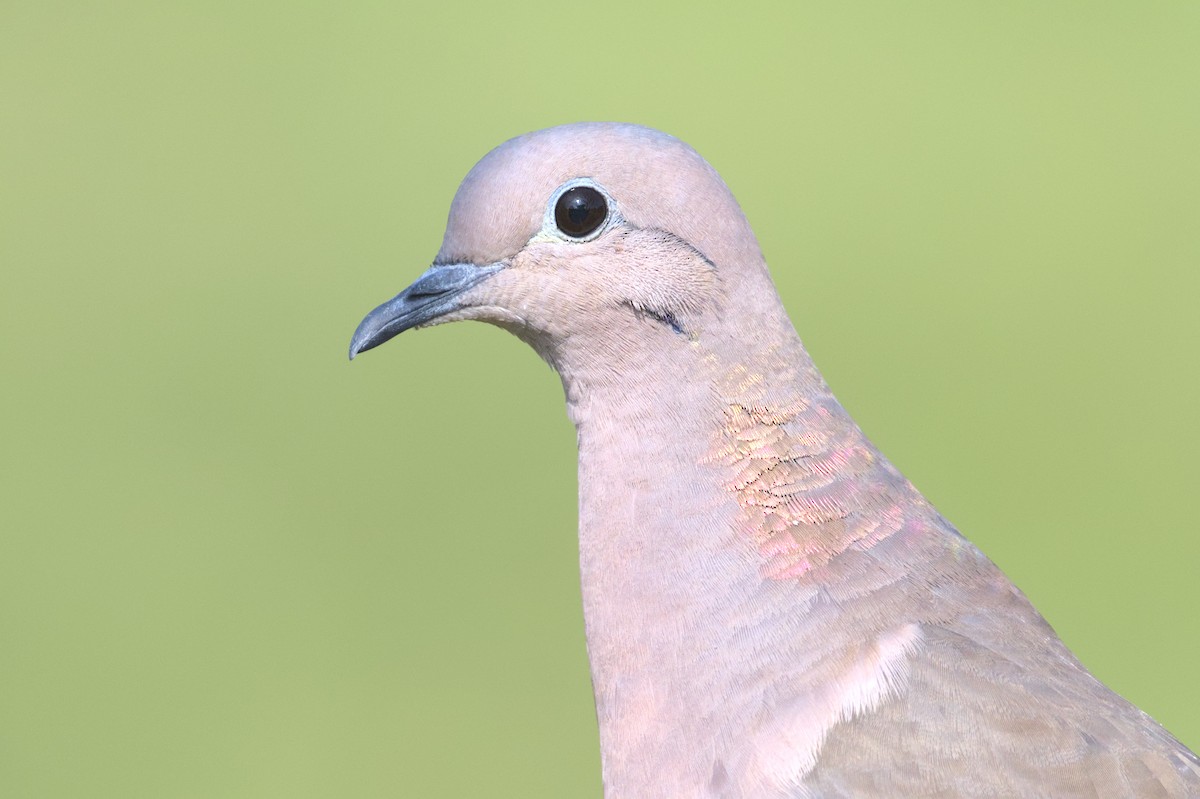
[{"x": 772, "y": 610}]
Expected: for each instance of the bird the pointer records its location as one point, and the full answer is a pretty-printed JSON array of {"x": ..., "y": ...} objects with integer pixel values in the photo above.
[{"x": 771, "y": 609}]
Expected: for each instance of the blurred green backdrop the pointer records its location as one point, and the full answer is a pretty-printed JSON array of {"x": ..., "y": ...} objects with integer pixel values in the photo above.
[{"x": 233, "y": 565}]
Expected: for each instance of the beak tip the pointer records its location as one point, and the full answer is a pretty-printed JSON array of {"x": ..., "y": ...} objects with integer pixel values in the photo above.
[
  {"x": 359, "y": 345},
  {"x": 366, "y": 335}
]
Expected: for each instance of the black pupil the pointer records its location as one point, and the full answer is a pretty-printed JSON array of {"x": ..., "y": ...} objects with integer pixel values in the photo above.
[{"x": 579, "y": 211}]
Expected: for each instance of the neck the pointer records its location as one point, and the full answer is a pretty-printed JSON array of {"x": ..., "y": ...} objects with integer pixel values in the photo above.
[{"x": 677, "y": 476}]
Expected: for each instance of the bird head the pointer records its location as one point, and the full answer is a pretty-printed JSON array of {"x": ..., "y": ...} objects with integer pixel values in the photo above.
[{"x": 576, "y": 235}]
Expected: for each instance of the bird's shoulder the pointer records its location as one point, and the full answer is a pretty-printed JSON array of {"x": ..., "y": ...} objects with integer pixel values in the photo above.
[
  {"x": 955, "y": 685},
  {"x": 917, "y": 668},
  {"x": 967, "y": 719}
]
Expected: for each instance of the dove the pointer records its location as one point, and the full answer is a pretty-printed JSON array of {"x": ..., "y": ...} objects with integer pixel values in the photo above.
[{"x": 771, "y": 608}]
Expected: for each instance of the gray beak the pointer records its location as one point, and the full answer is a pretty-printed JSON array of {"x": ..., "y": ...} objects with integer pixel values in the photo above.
[{"x": 433, "y": 294}]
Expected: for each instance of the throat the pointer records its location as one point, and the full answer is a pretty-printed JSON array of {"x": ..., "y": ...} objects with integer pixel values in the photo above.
[
  {"x": 657, "y": 561},
  {"x": 661, "y": 577}
]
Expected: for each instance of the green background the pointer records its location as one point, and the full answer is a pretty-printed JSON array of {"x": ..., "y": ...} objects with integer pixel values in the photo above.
[{"x": 234, "y": 565}]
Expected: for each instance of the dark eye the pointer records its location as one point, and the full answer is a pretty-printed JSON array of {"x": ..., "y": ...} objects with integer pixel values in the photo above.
[{"x": 579, "y": 211}]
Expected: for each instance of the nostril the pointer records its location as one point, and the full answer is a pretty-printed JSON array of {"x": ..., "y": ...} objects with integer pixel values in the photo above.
[{"x": 441, "y": 279}]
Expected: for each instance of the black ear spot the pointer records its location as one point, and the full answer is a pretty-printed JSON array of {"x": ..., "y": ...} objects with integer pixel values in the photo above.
[
  {"x": 664, "y": 317},
  {"x": 579, "y": 211}
]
